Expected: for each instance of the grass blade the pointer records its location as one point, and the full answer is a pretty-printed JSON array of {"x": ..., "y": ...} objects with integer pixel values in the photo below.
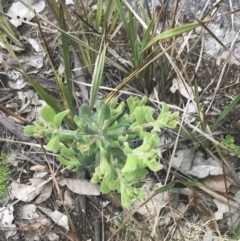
[
  {"x": 176, "y": 31},
  {"x": 166, "y": 187},
  {"x": 122, "y": 14},
  {"x": 63, "y": 91},
  {"x": 147, "y": 34},
  {"x": 97, "y": 76},
  {"x": 66, "y": 56},
  {"x": 225, "y": 112}
]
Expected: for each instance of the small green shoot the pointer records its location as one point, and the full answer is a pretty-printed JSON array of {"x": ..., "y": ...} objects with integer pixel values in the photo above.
[
  {"x": 228, "y": 142},
  {"x": 4, "y": 172}
]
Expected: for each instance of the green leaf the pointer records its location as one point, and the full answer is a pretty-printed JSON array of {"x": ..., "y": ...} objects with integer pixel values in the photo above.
[
  {"x": 143, "y": 101},
  {"x": 127, "y": 150},
  {"x": 104, "y": 170},
  {"x": 103, "y": 115},
  {"x": 132, "y": 103},
  {"x": 39, "y": 123},
  {"x": 138, "y": 130},
  {"x": 140, "y": 115},
  {"x": 59, "y": 118},
  {"x": 71, "y": 164},
  {"x": 121, "y": 139},
  {"x": 113, "y": 126},
  {"x": 104, "y": 187},
  {"x": 86, "y": 114},
  {"x": 130, "y": 164},
  {"x": 115, "y": 133},
  {"x": 149, "y": 115},
  {"x": 133, "y": 177},
  {"x": 36, "y": 131},
  {"x": 105, "y": 125},
  {"x": 81, "y": 138},
  {"x": 79, "y": 122},
  {"x": 92, "y": 148},
  {"x": 124, "y": 122},
  {"x": 165, "y": 109},
  {"x": 53, "y": 144},
  {"x": 113, "y": 103},
  {"x": 154, "y": 166},
  {"x": 104, "y": 142},
  {"x": 89, "y": 130},
  {"x": 149, "y": 143},
  {"x": 118, "y": 113},
  {"x": 95, "y": 178},
  {"x": 29, "y": 130},
  {"x": 68, "y": 152},
  {"x": 47, "y": 113},
  {"x": 114, "y": 184},
  {"x": 87, "y": 161},
  {"x": 172, "y": 124},
  {"x": 130, "y": 194},
  {"x": 109, "y": 185}
]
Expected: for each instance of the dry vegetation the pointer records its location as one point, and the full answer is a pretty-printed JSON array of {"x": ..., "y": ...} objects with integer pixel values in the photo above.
[{"x": 71, "y": 56}]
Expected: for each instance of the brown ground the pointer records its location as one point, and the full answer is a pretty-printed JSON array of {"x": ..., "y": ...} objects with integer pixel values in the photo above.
[{"x": 90, "y": 224}]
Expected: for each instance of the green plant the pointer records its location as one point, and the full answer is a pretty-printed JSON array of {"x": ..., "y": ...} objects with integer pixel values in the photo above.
[
  {"x": 4, "y": 172},
  {"x": 103, "y": 142},
  {"x": 229, "y": 143}
]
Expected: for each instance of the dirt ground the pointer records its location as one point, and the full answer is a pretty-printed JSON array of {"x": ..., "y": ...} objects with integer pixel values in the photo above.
[{"x": 91, "y": 216}]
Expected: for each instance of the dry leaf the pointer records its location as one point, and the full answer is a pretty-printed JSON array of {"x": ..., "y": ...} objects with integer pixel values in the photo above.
[
  {"x": 225, "y": 35},
  {"x": 184, "y": 88},
  {"x": 195, "y": 164},
  {"x": 30, "y": 62},
  {"x": 68, "y": 198},
  {"x": 52, "y": 236},
  {"x": 57, "y": 217},
  {"x": 45, "y": 193},
  {"x": 28, "y": 211},
  {"x": 38, "y": 168},
  {"x": 217, "y": 183},
  {"x": 25, "y": 192},
  {"x": 6, "y": 218},
  {"x": 81, "y": 186},
  {"x": 37, "y": 47},
  {"x": 222, "y": 208},
  {"x": 155, "y": 204},
  {"x": 19, "y": 11},
  {"x": 32, "y": 226}
]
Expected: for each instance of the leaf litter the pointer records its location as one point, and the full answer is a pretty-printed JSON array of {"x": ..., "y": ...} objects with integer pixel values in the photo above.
[
  {"x": 80, "y": 186},
  {"x": 186, "y": 161}
]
